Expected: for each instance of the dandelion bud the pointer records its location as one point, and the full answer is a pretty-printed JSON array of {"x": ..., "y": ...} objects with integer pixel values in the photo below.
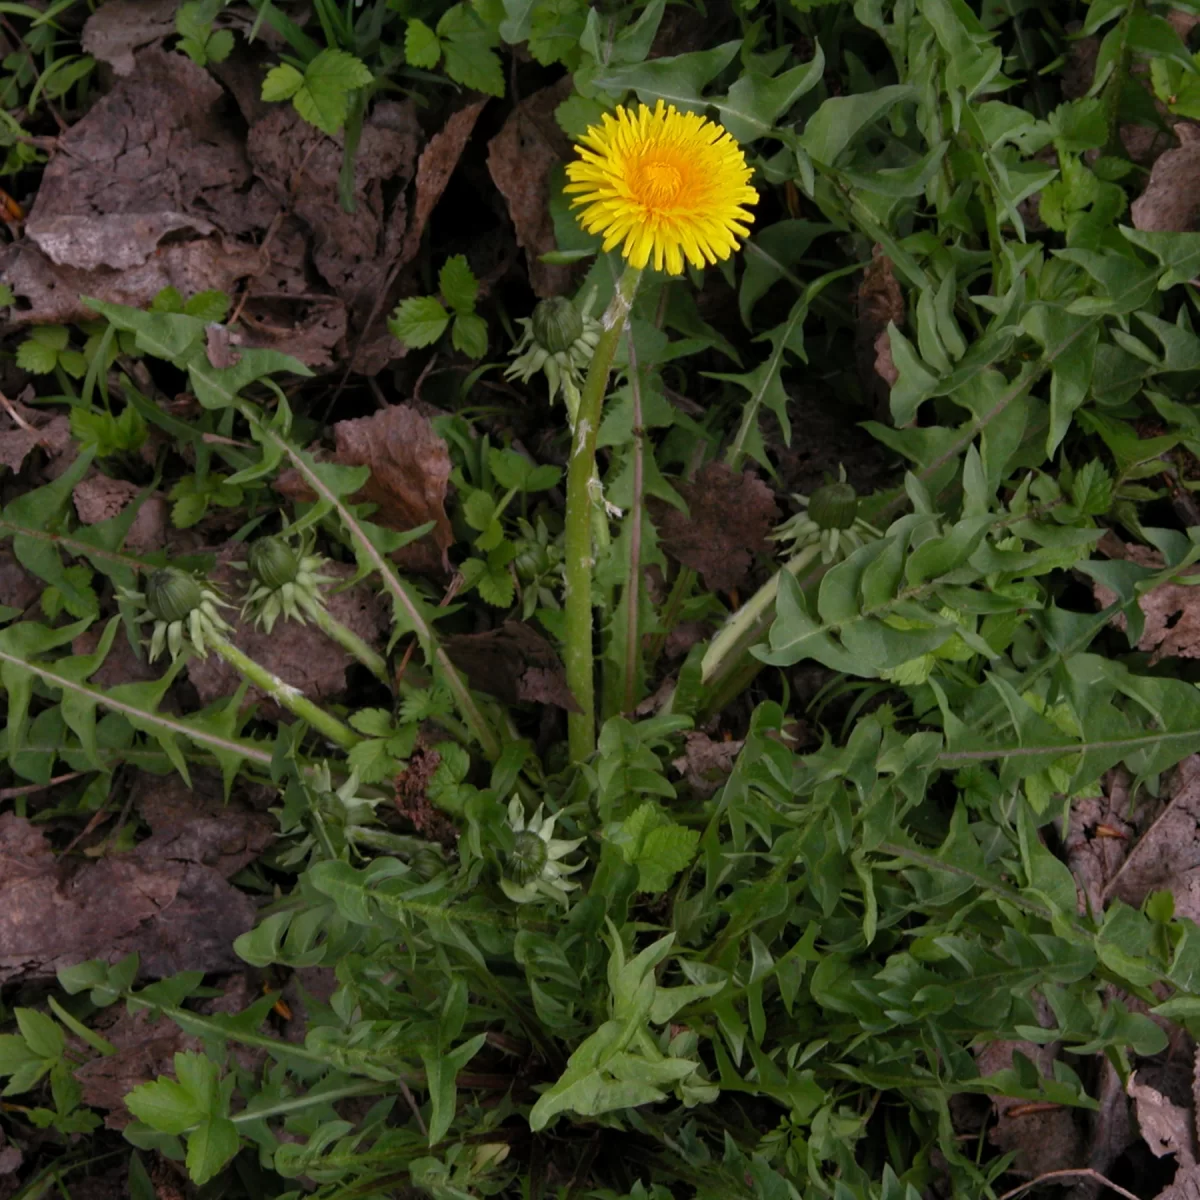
[
  {"x": 834, "y": 506},
  {"x": 172, "y": 594},
  {"x": 556, "y": 324},
  {"x": 528, "y": 857},
  {"x": 273, "y": 562}
]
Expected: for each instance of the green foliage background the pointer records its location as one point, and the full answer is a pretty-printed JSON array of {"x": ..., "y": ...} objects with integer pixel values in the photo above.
[{"x": 772, "y": 991}]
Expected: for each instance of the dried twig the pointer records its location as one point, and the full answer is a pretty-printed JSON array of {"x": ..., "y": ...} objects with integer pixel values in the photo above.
[{"x": 1076, "y": 1173}]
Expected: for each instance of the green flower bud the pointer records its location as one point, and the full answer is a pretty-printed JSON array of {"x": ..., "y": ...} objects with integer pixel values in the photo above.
[
  {"x": 528, "y": 857},
  {"x": 557, "y": 324},
  {"x": 273, "y": 562},
  {"x": 172, "y": 594},
  {"x": 834, "y": 506}
]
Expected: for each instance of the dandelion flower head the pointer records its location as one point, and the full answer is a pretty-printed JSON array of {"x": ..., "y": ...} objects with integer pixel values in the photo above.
[{"x": 666, "y": 185}]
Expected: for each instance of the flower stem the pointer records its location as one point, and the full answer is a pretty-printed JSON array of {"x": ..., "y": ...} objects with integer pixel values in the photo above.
[
  {"x": 579, "y": 651},
  {"x": 284, "y": 694},
  {"x": 349, "y": 641}
]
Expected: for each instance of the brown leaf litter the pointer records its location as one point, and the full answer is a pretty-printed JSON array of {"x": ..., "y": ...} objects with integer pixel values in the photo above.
[
  {"x": 301, "y": 655},
  {"x": 154, "y": 187},
  {"x": 1170, "y": 201},
  {"x": 878, "y": 302},
  {"x": 1167, "y": 856},
  {"x": 146, "y": 1045},
  {"x": 99, "y": 498},
  {"x": 1045, "y": 1137},
  {"x": 513, "y": 663},
  {"x": 119, "y": 28},
  {"x": 728, "y": 520},
  {"x": 706, "y": 764},
  {"x": 168, "y": 899},
  {"x": 152, "y": 162},
  {"x": 412, "y": 799},
  {"x": 521, "y": 159},
  {"x": 1172, "y": 610},
  {"x": 24, "y": 429},
  {"x": 1098, "y": 839},
  {"x": 410, "y": 473},
  {"x": 438, "y": 160}
]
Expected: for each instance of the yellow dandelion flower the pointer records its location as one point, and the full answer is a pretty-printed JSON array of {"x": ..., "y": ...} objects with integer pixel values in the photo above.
[{"x": 664, "y": 183}]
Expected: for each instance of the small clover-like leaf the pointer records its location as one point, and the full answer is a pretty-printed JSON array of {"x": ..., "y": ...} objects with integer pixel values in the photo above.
[
  {"x": 419, "y": 321},
  {"x": 421, "y": 45}
]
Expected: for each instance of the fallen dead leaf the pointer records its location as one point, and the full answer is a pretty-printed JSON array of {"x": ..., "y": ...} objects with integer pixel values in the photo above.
[
  {"x": 167, "y": 899},
  {"x": 1098, "y": 839},
  {"x": 1167, "y": 856},
  {"x": 376, "y": 348},
  {"x": 1170, "y": 201},
  {"x": 118, "y": 28},
  {"x": 35, "y": 427},
  {"x": 706, "y": 764},
  {"x": 412, "y": 801},
  {"x": 1186, "y": 1186},
  {"x": 301, "y": 655},
  {"x": 436, "y": 165},
  {"x": 410, "y": 471},
  {"x": 521, "y": 158},
  {"x": 10, "y": 1157},
  {"x": 878, "y": 302},
  {"x": 301, "y": 166},
  {"x": 730, "y": 516},
  {"x": 1045, "y": 1138},
  {"x": 151, "y": 159},
  {"x": 1166, "y": 1127},
  {"x": 146, "y": 1046},
  {"x": 1172, "y": 610},
  {"x": 513, "y": 663},
  {"x": 98, "y": 498},
  {"x": 18, "y": 588}
]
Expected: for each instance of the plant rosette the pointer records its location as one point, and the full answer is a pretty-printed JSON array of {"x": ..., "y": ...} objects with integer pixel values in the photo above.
[{"x": 534, "y": 866}]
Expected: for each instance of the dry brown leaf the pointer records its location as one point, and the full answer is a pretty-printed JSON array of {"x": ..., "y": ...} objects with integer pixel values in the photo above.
[
  {"x": 412, "y": 800},
  {"x": 98, "y": 498},
  {"x": 10, "y": 1157},
  {"x": 1044, "y": 1137},
  {"x": 146, "y": 1045},
  {"x": 521, "y": 158},
  {"x": 1186, "y": 1186},
  {"x": 18, "y": 588},
  {"x": 437, "y": 163},
  {"x": 152, "y": 159},
  {"x": 163, "y": 899},
  {"x": 118, "y": 28},
  {"x": 730, "y": 516},
  {"x": 301, "y": 655},
  {"x": 1165, "y": 1126},
  {"x": 1098, "y": 839},
  {"x": 410, "y": 471},
  {"x": 1171, "y": 199},
  {"x": 35, "y": 427},
  {"x": 1167, "y": 856},
  {"x": 879, "y": 301},
  {"x": 1172, "y": 610},
  {"x": 706, "y": 764},
  {"x": 353, "y": 252},
  {"x": 513, "y": 663}
]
